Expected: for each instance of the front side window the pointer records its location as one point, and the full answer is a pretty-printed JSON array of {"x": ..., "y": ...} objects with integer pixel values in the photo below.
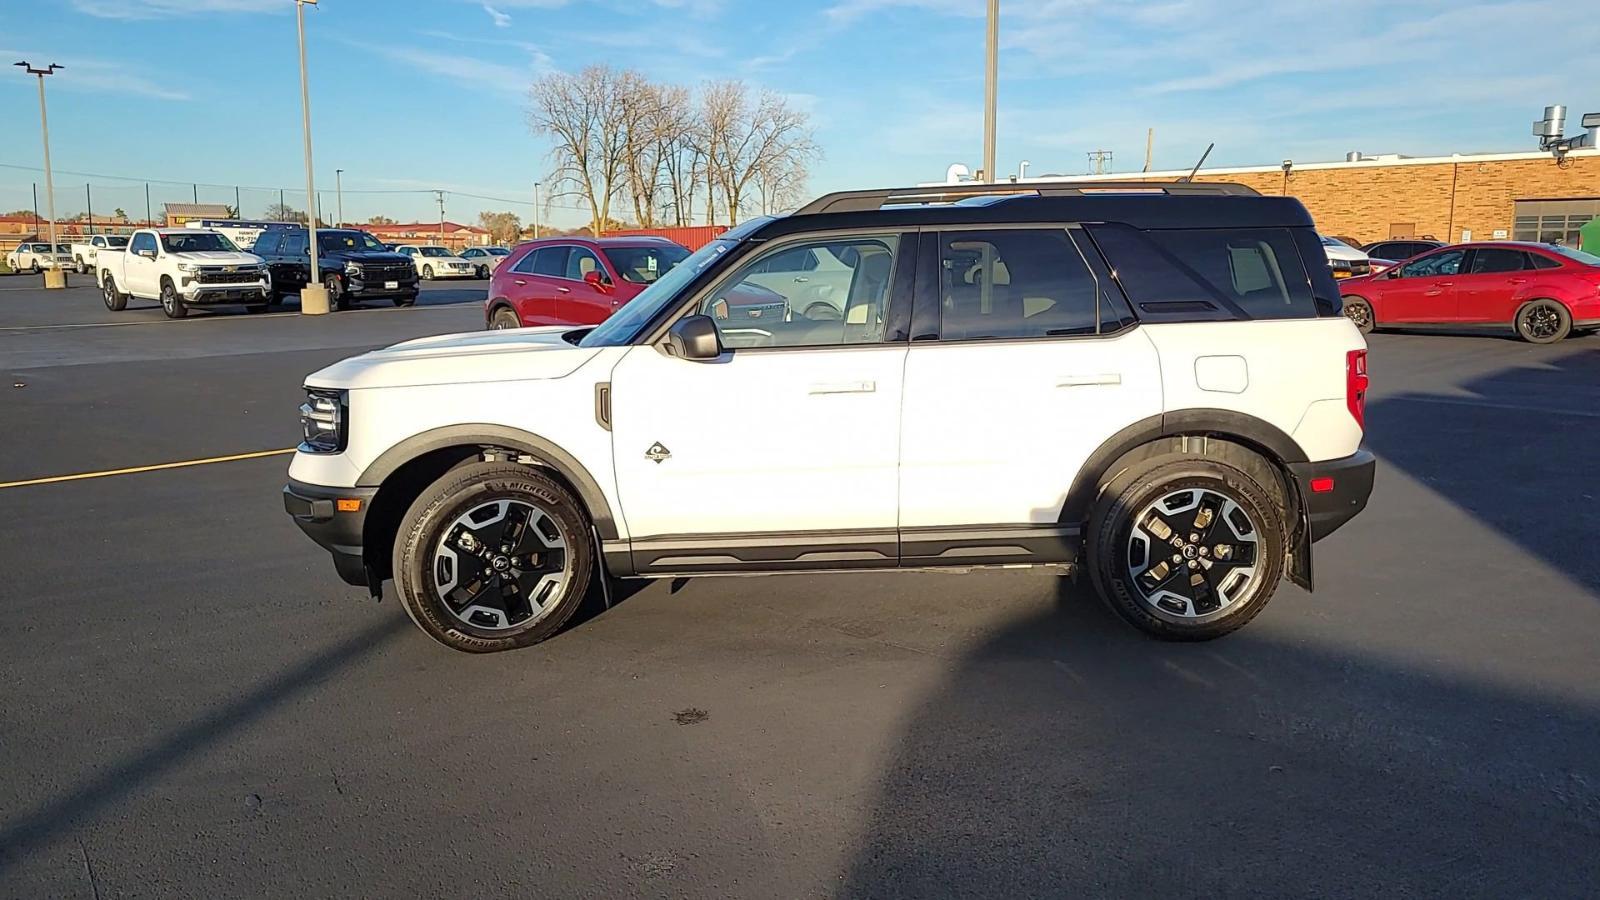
[
  {"x": 580, "y": 262},
  {"x": 141, "y": 242},
  {"x": 643, "y": 265},
  {"x": 759, "y": 307},
  {"x": 1014, "y": 284},
  {"x": 1447, "y": 262},
  {"x": 1490, "y": 260}
]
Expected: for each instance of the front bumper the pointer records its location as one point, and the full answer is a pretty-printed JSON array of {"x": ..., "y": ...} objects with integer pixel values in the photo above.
[
  {"x": 254, "y": 291},
  {"x": 316, "y": 509},
  {"x": 377, "y": 286},
  {"x": 1334, "y": 491}
]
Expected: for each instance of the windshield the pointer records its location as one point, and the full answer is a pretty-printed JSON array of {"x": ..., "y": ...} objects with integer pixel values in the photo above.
[
  {"x": 63, "y": 248},
  {"x": 644, "y": 265},
  {"x": 497, "y": 251},
  {"x": 433, "y": 251},
  {"x": 116, "y": 242},
  {"x": 1583, "y": 256},
  {"x": 345, "y": 241},
  {"x": 625, "y": 326},
  {"x": 197, "y": 242}
]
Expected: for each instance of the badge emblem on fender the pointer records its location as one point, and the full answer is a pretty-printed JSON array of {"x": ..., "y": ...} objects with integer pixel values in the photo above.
[{"x": 657, "y": 453}]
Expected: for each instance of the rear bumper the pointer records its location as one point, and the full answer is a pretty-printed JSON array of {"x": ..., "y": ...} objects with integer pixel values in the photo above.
[
  {"x": 1334, "y": 490},
  {"x": 315, "y": 509}
]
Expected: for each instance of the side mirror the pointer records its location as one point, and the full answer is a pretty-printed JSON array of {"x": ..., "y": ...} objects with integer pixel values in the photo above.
[
  {"x": 696, "y": 338},
  {"x": 1393, "y": 272},
  {"x": 595, "y": 279},
  {"x": 148, "y": 254}
]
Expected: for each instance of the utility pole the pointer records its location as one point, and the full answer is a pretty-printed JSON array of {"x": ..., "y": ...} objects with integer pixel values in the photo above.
[
  {"x": 439, "y": 195},
  {"x": 1149, "y": 144},
  {"x": 1100, "y": 160},
  {"x": 536, "y": 210},
  {"x": 149, "y": 218},
  {"x": 338, "y": 194},
  {"x": 991, "y": 89},
  {"x": 54, "y": 277},
  {"x": 313, "y": 297},
  {"x": 196, "y": 194},
  {"x": 88, "y": 204},
  {"x": 238, "y": 206}
]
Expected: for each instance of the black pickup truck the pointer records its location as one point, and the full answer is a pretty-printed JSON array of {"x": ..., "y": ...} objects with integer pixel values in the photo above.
[{"x": 351, "y": 264}]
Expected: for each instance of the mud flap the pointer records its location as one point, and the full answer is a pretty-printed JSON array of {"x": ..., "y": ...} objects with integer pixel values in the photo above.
[{"x": 1298, "y": 568}]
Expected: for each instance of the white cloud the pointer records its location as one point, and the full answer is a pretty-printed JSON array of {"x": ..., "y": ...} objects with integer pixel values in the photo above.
[
  {"x": 160, "y": 9},
  {"x": 501, "y": 20},
  {"x": 465, "y": 70}
]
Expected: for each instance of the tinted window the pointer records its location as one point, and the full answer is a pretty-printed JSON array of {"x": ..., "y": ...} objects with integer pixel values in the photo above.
[
  {"x": 1014, "y": 284},
  {"x": 757, "y": 307},
  {"x": 294, "y": 243},
  {"x": 1445, "y": 262},
  {"x": 643, "y": 265},
  {"x": 346, "y": 241},
  {"x": 267, "y": 244},
  {"x": 1493, "y": 259},
  {"x": 434, "y": 251},
  {"x": 143, "y": 241},
  {"x": 581, "y": 262},
  {"x": 1255, "y": 273},
  {"x": 550, "y": 261},
  {"x": 1543, "y": 262}
]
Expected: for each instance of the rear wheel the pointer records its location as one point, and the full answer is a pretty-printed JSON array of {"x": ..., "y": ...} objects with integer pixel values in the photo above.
[
  {"x": 1543, "y": 322},
  {"x": 171, "y": 303},
  {"x": 493, "y": 556},
  {"x": 1187, "y": 550},
  {"x": 116, "y": 301},
  {"x": 1359, "y": 311},
  {"x": 504, "y": 319}
]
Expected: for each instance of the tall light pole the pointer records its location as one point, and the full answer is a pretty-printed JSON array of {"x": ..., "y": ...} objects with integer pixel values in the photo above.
[
  {"x": 313, "y": 297},
  {"x": 338, "y": 192},
  {"x": 439, "y": 195},
  {"x": 54, "y": 277},
  {"x": 536, "y": 210},
  {"x": 991, "y": 89}
]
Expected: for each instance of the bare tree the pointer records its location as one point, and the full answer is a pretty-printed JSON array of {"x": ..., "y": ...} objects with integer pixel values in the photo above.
[
  {"x": 503, "y": 227},
  {"x": 587, "y": 115},
  {"x": 764, "y": 137}
]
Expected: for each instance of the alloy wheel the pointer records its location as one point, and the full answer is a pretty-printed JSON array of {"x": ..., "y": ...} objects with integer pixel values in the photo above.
[
  {"x": 1192, "y": 554},
  {"x": 1541, "y": 321},
  {"x": 501, "y": 565},
  {"x": 1360, "y": 314}
]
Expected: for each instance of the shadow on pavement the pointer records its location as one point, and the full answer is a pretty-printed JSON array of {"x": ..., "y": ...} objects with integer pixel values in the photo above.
[{"x": 25, "y": 832}]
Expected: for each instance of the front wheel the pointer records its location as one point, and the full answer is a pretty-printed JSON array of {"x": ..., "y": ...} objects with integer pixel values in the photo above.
[
  {"x": 337, "y": 299},
  {"x": 1543, "y": 322},
  {"x": 493, "y": 556},
  {"x": 483, "y": 271},
  {"x": 171, "y": 303},
  {"x": 427, "y": 273},
  {"x": 1187, "y": 550},
  {"x": 407, "y": 300},
  {"x": 33, "y": 267},
  {"x": 1359, "y": 311}
]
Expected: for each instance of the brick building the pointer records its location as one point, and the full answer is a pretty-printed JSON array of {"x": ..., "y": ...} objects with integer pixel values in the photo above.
[
  {"x": 1522, "y": 196},
  {"x": 450, "y": 234}
]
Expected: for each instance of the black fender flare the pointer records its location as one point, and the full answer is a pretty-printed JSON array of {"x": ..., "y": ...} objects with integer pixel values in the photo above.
[{"x": 486, "y": 435}]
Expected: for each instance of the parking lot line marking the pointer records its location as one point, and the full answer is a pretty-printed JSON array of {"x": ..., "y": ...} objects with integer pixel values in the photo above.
[{"x": 151, "y": 468}]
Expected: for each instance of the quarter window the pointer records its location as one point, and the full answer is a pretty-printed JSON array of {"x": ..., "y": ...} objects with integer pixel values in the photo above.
[
  {"x": 842, "y": 299},
  {"x": 1014, "y": 284}
]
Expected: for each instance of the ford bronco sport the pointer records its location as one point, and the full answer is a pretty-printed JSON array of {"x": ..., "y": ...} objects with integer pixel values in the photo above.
[{"x": 1150, "y": 382}]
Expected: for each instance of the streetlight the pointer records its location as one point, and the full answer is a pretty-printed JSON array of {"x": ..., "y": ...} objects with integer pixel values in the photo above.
[
  {"x": 53, "y": 276},
  {"x": 338, "y": 191},
  {"x": 536, "y": 210},
  {"x": 991, "y": 89},
  {"x": 313, "y": 297}
]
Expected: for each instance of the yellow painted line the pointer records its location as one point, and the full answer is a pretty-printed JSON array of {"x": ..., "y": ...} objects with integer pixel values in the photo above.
[{"x": 136, "y": 469}]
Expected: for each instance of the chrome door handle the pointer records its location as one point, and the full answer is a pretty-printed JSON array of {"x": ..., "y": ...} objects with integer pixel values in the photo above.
[
  {"x": 801, "y": 280},
  {"x": 845, "y": 387},
  {"x": 1086, "y": 380},
  {"x": 564, "y": 290},
  {"x": 519, "y": 281}
]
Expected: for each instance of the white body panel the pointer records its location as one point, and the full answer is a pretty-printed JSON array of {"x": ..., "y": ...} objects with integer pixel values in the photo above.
[
  {"x": 794, "y": 440},
  {"x": 141, "y": 277},
  {"x": 1287, "y": 366},
  {"x": 443, "y": 266},
  {"x": 994, "y": 432}
]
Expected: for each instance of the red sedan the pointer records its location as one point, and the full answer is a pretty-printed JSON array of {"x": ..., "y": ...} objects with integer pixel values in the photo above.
[
  {"x": 1543, "y": 292},
  {"x": 575, "y": 281}
]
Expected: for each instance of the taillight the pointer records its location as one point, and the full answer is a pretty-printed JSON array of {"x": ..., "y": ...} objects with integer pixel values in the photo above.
[{"x": 1355, "y": 385}]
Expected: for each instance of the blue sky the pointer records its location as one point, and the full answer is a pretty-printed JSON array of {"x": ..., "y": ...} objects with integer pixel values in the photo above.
[{"x": 410, "y": 95}]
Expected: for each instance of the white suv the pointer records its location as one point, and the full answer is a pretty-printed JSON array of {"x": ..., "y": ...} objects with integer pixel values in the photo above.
[{"x": 1157, "y": 386}]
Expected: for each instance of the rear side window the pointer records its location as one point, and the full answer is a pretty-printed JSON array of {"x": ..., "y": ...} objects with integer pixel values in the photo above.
[
  {"x": 550, "y": 261},
  {"x": 1493, "y": 259},
  {"x": 294, "y": 243},
  {"x": 1213, "y": 273},
  {"x": 1015, "y": 283}
]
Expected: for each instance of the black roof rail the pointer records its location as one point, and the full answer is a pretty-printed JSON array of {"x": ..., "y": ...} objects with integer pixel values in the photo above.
[{"x": 860, "y": 201}]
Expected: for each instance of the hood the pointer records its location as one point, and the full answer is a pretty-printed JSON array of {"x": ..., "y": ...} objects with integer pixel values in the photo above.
[
  {"x": 218, "y": 258},
  {"x": 518, "y": 354},
  {"x": 1338, "y": 250}
]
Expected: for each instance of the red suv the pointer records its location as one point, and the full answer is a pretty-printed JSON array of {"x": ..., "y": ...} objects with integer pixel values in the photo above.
[
  {"x": 575, "y": 281},
  {"x": 1544, "y": 292}
]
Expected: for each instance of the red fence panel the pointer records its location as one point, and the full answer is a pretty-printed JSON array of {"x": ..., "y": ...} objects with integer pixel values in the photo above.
[{"x": 693, "y": 236}]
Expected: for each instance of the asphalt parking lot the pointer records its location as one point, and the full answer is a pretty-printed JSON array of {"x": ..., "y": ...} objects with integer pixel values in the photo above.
[{"x": 195, "y": 706}]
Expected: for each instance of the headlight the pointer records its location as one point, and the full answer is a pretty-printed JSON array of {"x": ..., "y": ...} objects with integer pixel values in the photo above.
[
  {"x": 185, "y": 267},
  {"x": 352, "y": 268},
  {"x": 322, "y": 421}
]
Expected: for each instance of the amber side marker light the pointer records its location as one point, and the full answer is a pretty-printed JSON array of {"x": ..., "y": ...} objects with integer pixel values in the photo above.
[{"x": 349, "y": 505}]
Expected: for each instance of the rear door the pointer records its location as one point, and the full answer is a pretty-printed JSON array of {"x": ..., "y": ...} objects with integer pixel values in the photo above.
[
  {"x": 1488, "y": 285},
  {"x": 1423, "y": 290},
  {"x": 1023, "y": 360}
]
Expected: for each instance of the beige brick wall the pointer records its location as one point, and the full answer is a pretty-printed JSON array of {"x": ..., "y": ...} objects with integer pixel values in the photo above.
[{"x": 1440, "y": 199}]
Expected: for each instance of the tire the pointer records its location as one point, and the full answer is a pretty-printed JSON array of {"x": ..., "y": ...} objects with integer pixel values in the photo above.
[
  {"x": 116, "y": 301},
  {"x": 427, "y": 273},
  {"x": 1122, "y": 540},
  {"x": 1359, "y": 311},
  {"x": 33, "y": 267},
  {"x": 504, "y": 319},
  {"x": 171, "y": 303},
  {"x": 82, "y": 269},
  {"x": 430, "y": 549},
  {"x": 1542, "y": 322},
  {"x": 483, "y": 271},
  {"x": 337, "y": 298},
  {"x": 407, "y": 300}
]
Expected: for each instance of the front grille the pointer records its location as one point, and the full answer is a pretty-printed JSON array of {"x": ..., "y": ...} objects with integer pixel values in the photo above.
[
  {"x": 387, "y": 272},
  {"x": 217, "y": 276}
]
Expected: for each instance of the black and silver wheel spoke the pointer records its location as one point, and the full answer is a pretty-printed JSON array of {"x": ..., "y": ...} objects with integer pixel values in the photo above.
[
  {"x": 1192, "y": 552},
  {"x": 500, "y": 564}
]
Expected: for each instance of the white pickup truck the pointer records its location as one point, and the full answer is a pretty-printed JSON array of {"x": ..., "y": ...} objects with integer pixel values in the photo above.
[
  {"x": 84, "y": 254},
  {"x": 183, "y": 267}
]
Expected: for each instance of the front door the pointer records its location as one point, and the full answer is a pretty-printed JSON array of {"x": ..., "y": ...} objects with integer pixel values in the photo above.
[
  {"x": 781, "y": 453},
  {"x": 579, "y": 301},
  {"x": 1423, "y": 290},
  {"x": 139, "y": 270},
  {"x": 1012, "y": 381}
]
